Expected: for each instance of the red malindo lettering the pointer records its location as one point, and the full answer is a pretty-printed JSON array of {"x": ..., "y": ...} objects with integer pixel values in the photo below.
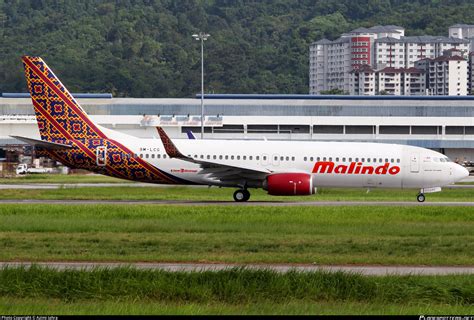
[{"x": 354, "y": 168}]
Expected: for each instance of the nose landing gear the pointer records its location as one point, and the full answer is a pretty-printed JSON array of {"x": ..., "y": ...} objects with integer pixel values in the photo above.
[
  {"x": 420, "y": 197},
  {"x": 241, "y": 195}
]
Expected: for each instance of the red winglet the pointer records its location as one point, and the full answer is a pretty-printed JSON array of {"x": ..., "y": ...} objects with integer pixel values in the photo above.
[{"x": 170, "y": 148}]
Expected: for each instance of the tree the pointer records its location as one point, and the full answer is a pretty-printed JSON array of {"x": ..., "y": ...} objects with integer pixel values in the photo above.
[{"x": 143, "y": 48}]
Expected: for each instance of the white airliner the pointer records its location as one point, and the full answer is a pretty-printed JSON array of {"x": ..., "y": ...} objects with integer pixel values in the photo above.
[{"x": 280, "y": 167}]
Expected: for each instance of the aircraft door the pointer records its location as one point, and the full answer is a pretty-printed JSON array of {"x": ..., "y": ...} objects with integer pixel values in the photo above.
[
  {"x": 101, "y": 156},
  {"x": 415, "y": 163}
]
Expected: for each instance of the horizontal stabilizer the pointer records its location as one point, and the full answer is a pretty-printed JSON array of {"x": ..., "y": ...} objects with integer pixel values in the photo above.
[{"x": 42, "y": 143}]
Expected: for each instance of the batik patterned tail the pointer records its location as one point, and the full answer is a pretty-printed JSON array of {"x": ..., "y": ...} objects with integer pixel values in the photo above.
[{"x": 58, "y": 114}]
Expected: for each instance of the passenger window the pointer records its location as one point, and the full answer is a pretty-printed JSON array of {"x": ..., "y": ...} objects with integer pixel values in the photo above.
[
  {"x": 386, "y": 160},
  {"x": 244, "y": 157},
  {"x": 250, "y": 158},
  {"x": 337, "y": 159},
  {"x": 238, "y": 157},
  {"x": 195, "y": 156},
  {"x": 343, "y": 159},
  {"x": 356, "y": 159},
  {"x": 380, "y": 160},
  {"x": 141, "y": 155},
  {"x": 214, "y": 157},
  {"x": 362, "y": 160},
  {"x": 147, "y": 155},
  {"x": 292, "y": 158},
  {"x": 220, "y": 157},
  {"x": 158, "y": 156},
  {"x": 317, "y": 159},
  {"x": 164, "y": 156},
  {"x": 257, "y": 158},
  {"x": 202, "y": 157},
  {"x": 368, "y": 159},
  {"x": 264, "y": 157},
  {"x": 311, "y": 159},
  {"x": 287, "y": 158},
  {"x": 208, "y": 157},
  {"x": 398, "y": 160},
  {"x": 392, "y": 161},
  {"x": 226, "y": 157},
  {"x": 305, "y": 159},
  {"x": 324, "y": 158},
  {"x": 231, "y": 157},
  {"x": 350, "y": 159},
  {"x": 375, "y": 160},
  {"x": 153, "y": 156}
]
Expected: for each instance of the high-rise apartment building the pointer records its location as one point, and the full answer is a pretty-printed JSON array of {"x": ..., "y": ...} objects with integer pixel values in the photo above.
[
  {"x": 447, "y": 74},
  {"x": 331, "y": 62},
  {"x": 461, "y": 31},
  {"x": 389, "y": 81}
]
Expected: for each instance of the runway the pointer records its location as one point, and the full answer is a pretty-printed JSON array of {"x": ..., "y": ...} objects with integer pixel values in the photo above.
[
  {"x": 281, "y": 268},
  {"x": 250, "y": 203}
]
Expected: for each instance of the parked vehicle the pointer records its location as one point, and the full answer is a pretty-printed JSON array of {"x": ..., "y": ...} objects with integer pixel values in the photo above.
[{"x": 23, "y": 168}]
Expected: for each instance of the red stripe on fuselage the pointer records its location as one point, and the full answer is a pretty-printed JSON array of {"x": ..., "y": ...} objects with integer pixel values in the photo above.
[{"x": 144, "y": 163}]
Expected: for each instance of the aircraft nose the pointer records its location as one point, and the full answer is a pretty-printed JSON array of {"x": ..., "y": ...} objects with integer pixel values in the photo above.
[{"x": 460, "y": 172}]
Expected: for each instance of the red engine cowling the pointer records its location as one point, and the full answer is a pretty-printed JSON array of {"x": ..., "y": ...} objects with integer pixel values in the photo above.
[{"x": 289, "y": 184}]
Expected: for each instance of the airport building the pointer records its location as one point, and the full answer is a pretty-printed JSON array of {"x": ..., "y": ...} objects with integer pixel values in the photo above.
[{"x": 442, "y": 123}]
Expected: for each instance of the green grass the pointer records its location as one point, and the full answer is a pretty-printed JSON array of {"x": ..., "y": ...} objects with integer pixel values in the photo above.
[
  {"x": 61, "y": 178},
  {"x": 225, "y": 194},
  {"x": 230, "y": 291},
  {"x": 149, "y": 307},
  {"x": 322, "y": 235}
]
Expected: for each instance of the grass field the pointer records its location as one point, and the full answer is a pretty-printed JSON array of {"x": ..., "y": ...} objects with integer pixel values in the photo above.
[
  {"x": 231, "y": 291},
  {"x": 323, "y": 235},
  {"x": 225, "y": 194}
]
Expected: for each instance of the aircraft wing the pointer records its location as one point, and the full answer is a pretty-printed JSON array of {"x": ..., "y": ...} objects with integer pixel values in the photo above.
[
  {"x": 217, "y": 171},
  {"x": 42, "y": 143}
]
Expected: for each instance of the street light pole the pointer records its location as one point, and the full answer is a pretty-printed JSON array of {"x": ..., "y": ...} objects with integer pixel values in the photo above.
[{"x": 202, "y": 36}]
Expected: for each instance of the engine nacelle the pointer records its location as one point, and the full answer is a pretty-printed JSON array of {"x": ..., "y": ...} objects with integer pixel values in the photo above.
[{"x": 289, "y": 184}]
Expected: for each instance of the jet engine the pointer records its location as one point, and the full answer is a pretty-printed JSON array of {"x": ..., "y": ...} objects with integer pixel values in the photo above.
[{"x": 289, "y": 184}]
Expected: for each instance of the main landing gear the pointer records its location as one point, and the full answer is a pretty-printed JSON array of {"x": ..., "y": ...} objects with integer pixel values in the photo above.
[
  {"x": 420, "y": 197},
  {"x": 241, "y": 195}
]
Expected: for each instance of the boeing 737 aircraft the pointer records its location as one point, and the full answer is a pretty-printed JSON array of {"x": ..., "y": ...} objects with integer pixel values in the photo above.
[{"x": 280, "y": 167}]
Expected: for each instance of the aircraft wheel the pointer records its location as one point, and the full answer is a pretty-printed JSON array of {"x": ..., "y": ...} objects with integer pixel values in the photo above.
[
  {"x": 420, "y": 197},
  {"x": 247, "y": 194},
  {"x": 241, "y": 195}
]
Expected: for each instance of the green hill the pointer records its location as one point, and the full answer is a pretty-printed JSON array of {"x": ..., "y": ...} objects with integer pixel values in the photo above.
[{"x": 144, "y": 48}]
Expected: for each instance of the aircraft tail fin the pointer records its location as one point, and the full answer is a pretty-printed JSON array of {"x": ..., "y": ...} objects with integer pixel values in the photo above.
[
  {"x": 58, "y": 114},
  {"x": 190, "y": 135}
]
